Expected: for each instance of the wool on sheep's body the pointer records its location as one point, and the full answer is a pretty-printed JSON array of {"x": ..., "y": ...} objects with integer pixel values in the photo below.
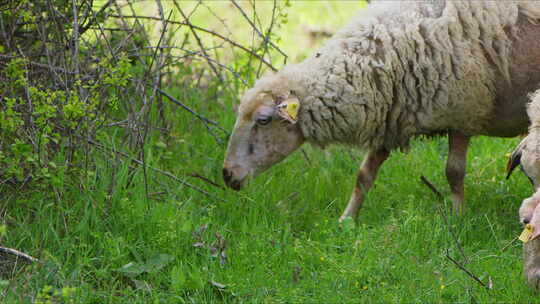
[
  {"x": 402, "y": 69},
  {"x": 533, "y": 110}
]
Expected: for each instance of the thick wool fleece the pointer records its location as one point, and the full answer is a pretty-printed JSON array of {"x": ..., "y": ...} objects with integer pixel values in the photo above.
[
  {"x": 530, "y": 145},
  {"x": 405, "y": 68},
  {"x": 533, "y": 110}
]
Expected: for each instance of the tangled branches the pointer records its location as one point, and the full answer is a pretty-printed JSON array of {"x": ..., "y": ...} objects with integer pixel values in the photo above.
[{"x": 70, "y": 70}]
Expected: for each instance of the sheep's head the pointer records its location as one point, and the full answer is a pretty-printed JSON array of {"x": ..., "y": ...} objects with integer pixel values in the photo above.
[
  {"x": 265, "y": 133},
  {"x": 528, "y": 207}
]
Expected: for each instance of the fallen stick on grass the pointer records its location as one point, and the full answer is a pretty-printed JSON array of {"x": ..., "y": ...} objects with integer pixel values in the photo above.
[
  {"x": 18, "y": 254},
  {"x": 443, "y": 214},
  {"x": 470, "y": 274},
  {"x": 459, "y": 265}
]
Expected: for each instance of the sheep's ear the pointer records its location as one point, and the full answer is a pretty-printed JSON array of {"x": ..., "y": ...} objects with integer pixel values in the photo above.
[
  {"x": 288, "y": 109},
  {"x": 515, "y": 159}
]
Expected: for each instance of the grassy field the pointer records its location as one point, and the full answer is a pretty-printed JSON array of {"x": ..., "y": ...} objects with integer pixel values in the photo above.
[{"x": 278, "y": 240}]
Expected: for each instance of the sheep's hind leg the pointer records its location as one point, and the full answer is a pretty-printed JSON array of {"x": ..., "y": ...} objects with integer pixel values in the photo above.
[
  {"x": 455, "y": 167},
  {"x": 366, "y": 176}
]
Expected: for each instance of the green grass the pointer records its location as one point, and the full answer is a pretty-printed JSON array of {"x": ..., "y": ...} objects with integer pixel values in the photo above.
[
  {"x": 282, "y": 239},
  {"x": 102, "y": 240}
]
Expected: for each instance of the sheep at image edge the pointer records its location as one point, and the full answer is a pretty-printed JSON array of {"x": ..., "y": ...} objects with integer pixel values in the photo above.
[
  {"x": 527, "y": 155},
  {"x": 398, "y": 70}
]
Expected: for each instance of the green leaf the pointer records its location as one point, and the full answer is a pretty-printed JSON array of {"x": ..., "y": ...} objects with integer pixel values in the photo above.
[
  {"x": 152, "y": 265},
  {"x": 132, "y": 269},
  {"x": 157, "y": 262}
]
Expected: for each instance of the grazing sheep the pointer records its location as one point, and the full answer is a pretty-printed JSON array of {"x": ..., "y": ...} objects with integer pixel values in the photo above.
[
  {"x": 527, "y": 155},
  {"x": 399, "y": 70}
]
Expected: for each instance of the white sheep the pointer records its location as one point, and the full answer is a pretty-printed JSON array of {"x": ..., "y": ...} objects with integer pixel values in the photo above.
[
  {"x": 527, "y": 154},
  {"x": 399, "y": 70}
]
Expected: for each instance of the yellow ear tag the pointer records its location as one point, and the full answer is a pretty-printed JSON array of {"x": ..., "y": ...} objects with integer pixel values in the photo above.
[
  {"x": 292, "y": 109},
  {"x": 288, "y": 110},
  {"x": 527, "y": 233}
]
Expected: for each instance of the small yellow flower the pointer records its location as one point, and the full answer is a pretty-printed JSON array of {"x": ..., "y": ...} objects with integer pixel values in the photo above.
[
  {"x": 443, "y": 287},
  {"x": 365, "y": 288},
  {"x": 322, "y": 258}
]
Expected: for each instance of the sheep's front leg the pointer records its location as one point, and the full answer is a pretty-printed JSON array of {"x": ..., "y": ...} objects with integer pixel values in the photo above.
[
  {"x": 531, "y": 262},
  {"x": 455, "y": 166},
  {"x": 364, "y": 181}
]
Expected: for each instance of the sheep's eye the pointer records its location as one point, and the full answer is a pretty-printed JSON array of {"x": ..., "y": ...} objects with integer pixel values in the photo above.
[{"x": 264, "y": 120}]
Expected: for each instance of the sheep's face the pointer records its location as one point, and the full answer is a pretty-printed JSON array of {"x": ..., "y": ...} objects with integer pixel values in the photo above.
[
  {"x": 265, "y": 133},
  {"x": 527, "y": 208}
]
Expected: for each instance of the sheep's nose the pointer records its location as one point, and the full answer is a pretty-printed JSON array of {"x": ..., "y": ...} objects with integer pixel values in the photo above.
[
  {"x": 525, "y": 221},
  {"x": 227, "y": 175}
]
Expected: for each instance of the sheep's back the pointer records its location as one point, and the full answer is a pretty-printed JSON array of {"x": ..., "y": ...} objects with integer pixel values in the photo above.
[{"x": 412, "y": 69}]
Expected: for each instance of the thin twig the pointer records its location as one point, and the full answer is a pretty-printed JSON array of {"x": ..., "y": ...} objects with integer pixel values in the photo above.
[
  {"x": 509, "y": 243},
  {"x": 166, "y": 173},
  {"x": 199, "y": 42},
  {"x": 18, "y": 254},
  {"x": 470, "y": 274},
  {"x": 206, "y": 179},
  {"x": 95, "y": 15},
  {"x": 265, "y": 38},
  {"x": 41, "y": 65},
  {"x": 157, "y": 84},
  {"x": 431, "y": 186},
  {"x": 210, "y": 32},
  {"x": 185, "y": 107},
  {"x": 306, "y": 156},
  {"x": 444, "y": 216}
]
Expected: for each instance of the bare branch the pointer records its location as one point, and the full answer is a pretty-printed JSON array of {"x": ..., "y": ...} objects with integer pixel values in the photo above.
[
  {"x": 199, "y": 42},
  {"x": 166, "y": 173},
  {"x": 95, "y": 15},
  {"x": 431, "y": 187},
  {"x": 199, "y": 116},
  {"x": 470, "y": 274},
  {"x": 206, "y": 179},
  {"x": 444, "y": 216},
  {"x": 235, "y": 44},
  {"x": 18, "y": 254},
  {"x": 265, "y": 38}
]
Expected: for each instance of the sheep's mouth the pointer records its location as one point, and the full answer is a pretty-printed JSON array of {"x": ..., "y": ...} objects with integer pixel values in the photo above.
[
  {"x": 235, "y": 184},
  {"x": 232, "y": 181}
]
